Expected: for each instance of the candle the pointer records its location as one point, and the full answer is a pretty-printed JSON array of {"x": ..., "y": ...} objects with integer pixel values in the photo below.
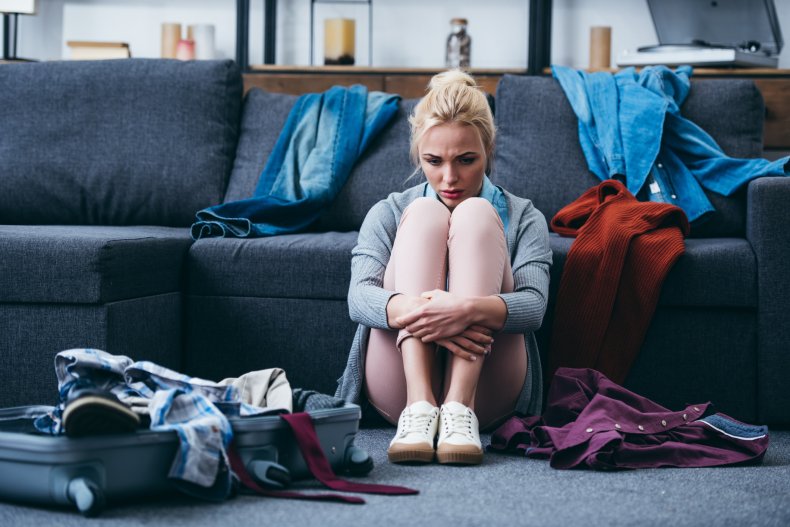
[
  {"x": 339, "y": 38},
  {"x": 185, "y": 50},
  {"x": 600, "y": 47},
  {"x": 171, "y": 35},
  {"x": 203, "y": 35}
]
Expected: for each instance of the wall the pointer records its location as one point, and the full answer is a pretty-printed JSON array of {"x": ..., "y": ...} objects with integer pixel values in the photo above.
[{"x": 408, "y": 33}]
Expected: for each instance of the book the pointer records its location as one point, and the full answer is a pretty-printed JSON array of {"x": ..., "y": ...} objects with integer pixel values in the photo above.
[{"x": 82, "y": 50}]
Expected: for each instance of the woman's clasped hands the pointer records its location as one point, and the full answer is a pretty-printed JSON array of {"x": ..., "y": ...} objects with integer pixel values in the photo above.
[{"x": 447, "y": 320}]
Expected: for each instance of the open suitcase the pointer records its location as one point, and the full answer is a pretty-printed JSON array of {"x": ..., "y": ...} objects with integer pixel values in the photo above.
[{"x": 87, "y": 472}]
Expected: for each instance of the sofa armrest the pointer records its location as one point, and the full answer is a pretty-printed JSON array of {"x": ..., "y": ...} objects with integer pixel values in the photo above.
[{"x": 767, "y": 205}]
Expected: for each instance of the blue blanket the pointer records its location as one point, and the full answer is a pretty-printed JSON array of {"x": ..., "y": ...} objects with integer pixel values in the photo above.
[
  {"x": 322, "y": 138},
  {"x": 631, "y": 128}
]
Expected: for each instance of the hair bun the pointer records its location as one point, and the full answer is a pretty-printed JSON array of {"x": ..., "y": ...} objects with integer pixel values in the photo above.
[
  {"x": 450, "y": 78},
  {"x": 453, "y": 97}
]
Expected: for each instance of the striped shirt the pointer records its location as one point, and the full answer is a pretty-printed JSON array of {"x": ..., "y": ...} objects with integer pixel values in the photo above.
[{"x": 195, "y": 409}]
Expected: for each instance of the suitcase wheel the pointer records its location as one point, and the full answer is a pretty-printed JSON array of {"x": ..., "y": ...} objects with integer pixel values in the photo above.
[
  {"x": 86, "y": 495},
  {"x": 358, "y": 462},
  {"x": 269, "y": 474}
]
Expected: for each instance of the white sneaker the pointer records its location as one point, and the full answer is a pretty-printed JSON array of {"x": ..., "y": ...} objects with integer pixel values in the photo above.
[
  {"x": 416, "y": 432},
  {"x": 459, "y": 435}
]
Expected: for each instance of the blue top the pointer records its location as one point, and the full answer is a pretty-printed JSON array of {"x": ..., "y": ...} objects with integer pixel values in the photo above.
[{"x": 630, "y": 128}]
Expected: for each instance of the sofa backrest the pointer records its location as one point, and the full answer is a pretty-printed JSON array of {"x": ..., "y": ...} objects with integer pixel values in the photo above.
[
  {"x": 383, "y": 168},
  {"x": 116, "y": 142},
  {"x": 538, "y": 155}
]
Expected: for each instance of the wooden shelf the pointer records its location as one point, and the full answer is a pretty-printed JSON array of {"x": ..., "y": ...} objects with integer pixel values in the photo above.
[
  {"x": 538, "y": 48},
  {"x": 374, "y": 70},
  {"x": 774, "y": 85},
  {"x": 408, "y": 82}
]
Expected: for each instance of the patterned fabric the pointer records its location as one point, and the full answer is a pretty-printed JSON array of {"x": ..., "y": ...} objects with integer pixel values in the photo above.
[{"x": 194, "y": 408}]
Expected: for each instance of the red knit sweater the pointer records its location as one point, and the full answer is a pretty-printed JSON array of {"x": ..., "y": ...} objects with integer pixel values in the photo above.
[{"x": 612, "y": 278}]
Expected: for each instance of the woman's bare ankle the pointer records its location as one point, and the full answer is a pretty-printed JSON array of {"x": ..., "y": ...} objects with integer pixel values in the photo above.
[
  {"x": 417, "y": 398},
  {"x": 466, "y": 400}
]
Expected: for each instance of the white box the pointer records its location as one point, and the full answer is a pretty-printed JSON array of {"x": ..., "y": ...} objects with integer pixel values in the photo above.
[{"x": 25, "y": 7}]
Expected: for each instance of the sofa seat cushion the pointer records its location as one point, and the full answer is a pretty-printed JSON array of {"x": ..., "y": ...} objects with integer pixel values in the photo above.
[
  {"x": 89, "y": 264},
  {"x": 312, "y": 265},
  {"x": 713, "y": 272}
]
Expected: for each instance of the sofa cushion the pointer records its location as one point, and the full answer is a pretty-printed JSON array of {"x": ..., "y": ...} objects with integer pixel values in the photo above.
[
  {"x": 126, "y": 142},
  {"x": 538, "y": 153},
  {"x": 313, "y": 265},
  {"x": 89, "y": 264},
  {"x": 713, "y": 272},
  {"x": 308, "y": 338},
  {"x": 263, "y": 117},
  {"x": 382, "y": 168},
  {"x": 147, "y": 328}
]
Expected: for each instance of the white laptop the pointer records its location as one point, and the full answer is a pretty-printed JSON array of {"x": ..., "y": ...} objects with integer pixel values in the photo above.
[{"x": 711, "y": 33}]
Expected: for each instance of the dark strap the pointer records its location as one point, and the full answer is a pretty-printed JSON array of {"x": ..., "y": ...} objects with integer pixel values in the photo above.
[
  {"x": 302, "y": 426},
  {"x": 237, "y": 465},
  {"x": 313, "y": 454}
]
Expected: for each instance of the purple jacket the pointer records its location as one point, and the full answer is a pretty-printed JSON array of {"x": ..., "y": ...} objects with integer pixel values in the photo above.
[{"x": 591, "y": 422}]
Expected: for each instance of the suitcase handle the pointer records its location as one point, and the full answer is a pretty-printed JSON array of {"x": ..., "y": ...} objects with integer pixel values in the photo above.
[{"x": 86, "y": 495}]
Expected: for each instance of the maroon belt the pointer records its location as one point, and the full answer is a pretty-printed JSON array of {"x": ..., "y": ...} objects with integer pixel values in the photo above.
[{"x": 302, "y": 426}]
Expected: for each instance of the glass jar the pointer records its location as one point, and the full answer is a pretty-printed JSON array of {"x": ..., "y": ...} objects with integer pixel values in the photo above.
[{"x": 459, "y": 45}]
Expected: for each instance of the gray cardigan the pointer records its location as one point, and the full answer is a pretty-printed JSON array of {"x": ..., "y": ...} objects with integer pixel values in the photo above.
[{"x": 530, "y": 258}]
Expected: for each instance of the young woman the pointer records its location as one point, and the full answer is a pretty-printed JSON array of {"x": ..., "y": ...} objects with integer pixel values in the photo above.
[{"x": 449, "y": 280}]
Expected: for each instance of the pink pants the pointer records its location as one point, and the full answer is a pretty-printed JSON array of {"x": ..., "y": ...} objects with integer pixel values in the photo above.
[{"x": 469, "y": 246}]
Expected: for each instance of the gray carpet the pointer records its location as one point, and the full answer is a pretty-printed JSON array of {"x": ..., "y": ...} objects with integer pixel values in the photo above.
[{"x": 503, "y": 491}]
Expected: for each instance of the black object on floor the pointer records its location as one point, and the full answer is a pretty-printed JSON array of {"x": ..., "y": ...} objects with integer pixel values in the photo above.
[{"x": 92, "y": 411}]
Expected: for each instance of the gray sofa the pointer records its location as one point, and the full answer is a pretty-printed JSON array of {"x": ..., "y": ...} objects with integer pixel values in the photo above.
[{"x": 103, "y": 165}]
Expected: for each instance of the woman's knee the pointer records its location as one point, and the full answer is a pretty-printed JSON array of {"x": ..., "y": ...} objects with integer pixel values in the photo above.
[
  {"x": 427, "y": 216},
  {"x": 427, "y": 209},
  {"x": 476, "y": 215}
]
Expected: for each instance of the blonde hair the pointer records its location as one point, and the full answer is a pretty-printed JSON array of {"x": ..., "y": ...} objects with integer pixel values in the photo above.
[{"x": 453, "y": 97}]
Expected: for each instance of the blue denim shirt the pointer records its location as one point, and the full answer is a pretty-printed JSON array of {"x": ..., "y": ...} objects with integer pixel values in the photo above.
[
  {"x": 321, "y": 140},
  {"x": 630, "y": 128}
]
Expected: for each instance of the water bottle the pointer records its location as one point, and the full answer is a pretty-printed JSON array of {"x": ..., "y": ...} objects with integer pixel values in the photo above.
[{"x": 459, "y": 45}]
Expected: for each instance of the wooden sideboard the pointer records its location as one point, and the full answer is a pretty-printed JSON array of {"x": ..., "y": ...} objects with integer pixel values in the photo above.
[
  {"x": 411, "y": 82},
  {"x": 408, "y": 82},
  {"x": 776, "y": 93}
]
